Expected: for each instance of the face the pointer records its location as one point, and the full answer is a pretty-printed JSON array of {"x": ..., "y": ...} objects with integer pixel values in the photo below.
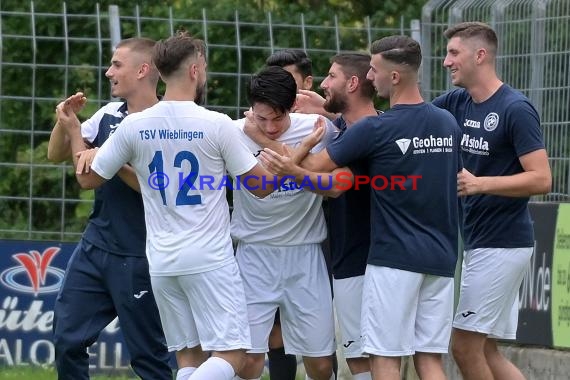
[
  {"x": 380, "y": 74},
  {"x": 334, "y": 87},
  {"x": 272, "y": 123},
  {"x": 202, "y": 78},
  {"x": 302, "y": 84},
  {"x": 460, "y": 61},
  {"x": 124, "y": 72}
]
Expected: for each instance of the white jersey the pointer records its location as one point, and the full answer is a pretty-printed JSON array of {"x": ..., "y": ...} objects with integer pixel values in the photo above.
[
  {"x": 290, "y": 215},
  {"x": 180, "y": 152}
]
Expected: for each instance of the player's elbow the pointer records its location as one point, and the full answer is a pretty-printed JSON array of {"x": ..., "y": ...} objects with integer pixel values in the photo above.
[
  {"x": 54, "y": 156},
  {"x": 544, "y": 185},
  {"x": 87, "y": 182}
]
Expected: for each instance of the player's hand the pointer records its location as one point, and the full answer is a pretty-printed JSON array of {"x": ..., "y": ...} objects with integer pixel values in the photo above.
[
  {"x": 467, "y": 183},
  {"x": 279, "y": 164},
  {"x": 84, "y": 160},
  {"x": 251, "y": 129},
  {"x": 309, "y": 102},
  {"x": 316, "y": 135},
  {"x": 74, "y": 103}
]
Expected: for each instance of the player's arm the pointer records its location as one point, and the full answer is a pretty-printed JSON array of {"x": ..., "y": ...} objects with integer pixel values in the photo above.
[
  {"x": 327, "y": 181},
  {"x": 87, "y": 179},
  {"x": 59, "y": 146},
  {"x": 536, "y": 178},
  {"x": 258, "y": 181},
  {"x": 126, "y": 173}
]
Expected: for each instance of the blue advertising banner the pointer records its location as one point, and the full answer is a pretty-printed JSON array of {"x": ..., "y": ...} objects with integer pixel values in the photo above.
[{"x": 31, "y": 274}]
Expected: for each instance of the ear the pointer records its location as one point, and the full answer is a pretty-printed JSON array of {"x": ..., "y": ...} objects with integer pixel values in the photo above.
[
  {"x": 353, "y": 83},
  {"x": 395, "y": 76},
  {"x": 308, "y": 82},
  {"x": 481, "y": 55},
  {"x": 144, "y": 69}
]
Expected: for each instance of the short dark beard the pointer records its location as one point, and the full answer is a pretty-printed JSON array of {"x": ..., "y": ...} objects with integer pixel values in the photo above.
[
  {"x": 335, "y": 104},
  {"x": 200, "y": 97}
]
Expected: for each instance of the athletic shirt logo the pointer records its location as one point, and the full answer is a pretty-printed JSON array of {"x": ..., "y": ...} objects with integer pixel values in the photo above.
[{"x": 491, "y": 122}]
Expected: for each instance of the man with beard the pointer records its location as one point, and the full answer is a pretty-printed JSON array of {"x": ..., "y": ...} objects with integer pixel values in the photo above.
[
  {"x": 109, "y": 267},
  {"x": 194, "y": 275},
  {"x": 349, "y": 93}
]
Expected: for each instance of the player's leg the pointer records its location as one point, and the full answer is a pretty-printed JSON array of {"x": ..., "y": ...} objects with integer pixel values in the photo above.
[
  {"x": 259, "y": 268},
  {"x": 77, "y": 322},
  {"x": 178, "y": 324},
  {"x": 282, "y": 366},
  {"x": 217, "y": 301},
  {"x": 500, "y": 366},
  {"x": 491, "y": 278},
  {"x": 348, "y": 304},
  {"x": 129, "y": 283},
  {"x": 388, "y": 318},
  {"x": 307, "y": 317},
  {"x": 434, "y": 317}
]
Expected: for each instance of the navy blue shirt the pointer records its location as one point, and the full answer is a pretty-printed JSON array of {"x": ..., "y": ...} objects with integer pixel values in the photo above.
[
  {"x": 496, "y": 133},
  {"x": 116, "y": 223},
  {"x": 349, "y": 224},
  {"x": 412, "y": 230}
]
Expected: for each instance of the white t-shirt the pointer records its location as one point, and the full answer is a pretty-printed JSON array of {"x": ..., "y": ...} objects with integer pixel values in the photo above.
[
  {"x": 187, "y": 220},
  {"x": 288, "y": 216}
]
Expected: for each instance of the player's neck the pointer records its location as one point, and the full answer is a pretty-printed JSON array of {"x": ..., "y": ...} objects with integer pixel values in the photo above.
[
  {"x": 142, "y": 100},
  {"x": 358, "y": 111},
  {"x": 179, "y": 93},
  {"x": 406, "y": 94},
  {"x": 482, "y": 90}
]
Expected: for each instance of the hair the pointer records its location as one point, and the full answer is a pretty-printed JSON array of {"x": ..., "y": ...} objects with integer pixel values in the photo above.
[
  {"x": 144, "y": 46},
  {"x": 273, "y": 86},
  {"x": 401, "y": 50},
  {"x": 288, "y": 57},
  {"x": 466, "y": 30},
  {"x": 358, "y": 65},
  {"x": 170, "y": 54}
]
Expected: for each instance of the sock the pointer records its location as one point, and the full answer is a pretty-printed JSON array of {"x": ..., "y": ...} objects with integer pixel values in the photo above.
[
  {"x": 214, "y": 368},
  {"x": 184, "y": 373},
  {"x": 333, "y": 377},
  {"x": 362, "y": 376},
  {"x": 281, "y": 365}
]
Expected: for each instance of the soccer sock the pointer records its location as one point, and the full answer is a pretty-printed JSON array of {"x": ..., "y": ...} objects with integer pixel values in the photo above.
[
  {"x": 333, "y": 377},
  {"x": 362, "y": 376},
  {"x": 214, "y": 368},
  {"x": 281, "y": 365},
  {"x": 184, "y": 373}
]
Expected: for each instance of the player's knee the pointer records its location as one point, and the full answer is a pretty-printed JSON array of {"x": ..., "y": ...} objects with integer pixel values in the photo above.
[
  {"x": 319, "y": 368},
  {"x": 253, "y": 366}
]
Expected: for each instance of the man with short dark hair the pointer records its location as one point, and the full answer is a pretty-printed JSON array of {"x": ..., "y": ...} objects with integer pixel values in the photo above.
[
  {"x": 505, "y": 163},
  {"x": 279, "y": 237}
]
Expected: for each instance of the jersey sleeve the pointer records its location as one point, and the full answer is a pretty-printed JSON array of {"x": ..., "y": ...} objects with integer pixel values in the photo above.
[
  {"x": 235, "y": 153},
  {"x": 356, "y": 143},
  {"x": 90, "y": 127},
  {"x": 115, "y": 152},
  {"x": 523, "y": 128}
]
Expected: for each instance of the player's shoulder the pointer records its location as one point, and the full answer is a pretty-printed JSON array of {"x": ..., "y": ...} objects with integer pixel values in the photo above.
[{"x": 113, "y": 108}]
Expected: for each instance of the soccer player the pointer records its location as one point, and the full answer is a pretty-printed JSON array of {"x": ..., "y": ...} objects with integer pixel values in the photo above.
[
  {"x": 348, "y": 93},
  {"x": 180, "y": 152},
  {"x": 109, "y": 267},
  {"x": 279, "y": 252},
  {"x": 408, "y": 285},
  {"x": 505, "y": 163}
]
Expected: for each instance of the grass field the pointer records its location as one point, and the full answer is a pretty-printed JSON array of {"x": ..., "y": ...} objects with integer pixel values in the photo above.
[{"x": 39, "y": 373}]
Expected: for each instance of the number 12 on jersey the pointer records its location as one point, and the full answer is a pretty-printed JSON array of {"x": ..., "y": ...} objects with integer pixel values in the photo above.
[{"x": 182, "y": 198}]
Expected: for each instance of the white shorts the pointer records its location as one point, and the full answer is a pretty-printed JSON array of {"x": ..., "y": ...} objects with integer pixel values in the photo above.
[
  {"x": 405, "y": 312},
  {"x": 348, "y": 304},
  {"x": 490, "y": 282},
  {"x": 204, "y": 308},
  {"x": 295, "y": 279}
]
